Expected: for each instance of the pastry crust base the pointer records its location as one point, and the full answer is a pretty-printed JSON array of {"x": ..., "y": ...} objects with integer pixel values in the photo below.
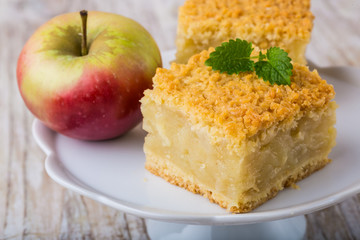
[{"x": 168, "y": 171}]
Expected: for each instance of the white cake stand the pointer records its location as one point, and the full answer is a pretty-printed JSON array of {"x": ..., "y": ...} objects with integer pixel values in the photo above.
[
  {"x": 288, "y": 229},
  {"x": 112, "y": 172}
]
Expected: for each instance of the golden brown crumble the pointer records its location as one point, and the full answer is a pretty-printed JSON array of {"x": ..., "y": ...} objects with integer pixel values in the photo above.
[
  {"x": 270, "y": 17},
  {"x": 237, "y": 106}
]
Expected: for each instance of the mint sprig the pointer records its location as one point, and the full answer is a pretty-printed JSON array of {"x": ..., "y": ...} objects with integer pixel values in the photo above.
[{"x": 235, "y": 57}]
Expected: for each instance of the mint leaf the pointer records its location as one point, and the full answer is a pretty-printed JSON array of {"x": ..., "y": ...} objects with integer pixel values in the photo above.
[
  {"x": 277, "y": 68},
  {"x": 235, "y": 57},
  {"x": 232, "y": 57}
]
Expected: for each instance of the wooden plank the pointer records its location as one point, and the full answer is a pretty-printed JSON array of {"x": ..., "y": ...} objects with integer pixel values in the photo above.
[{"x": 4, "y": 133}]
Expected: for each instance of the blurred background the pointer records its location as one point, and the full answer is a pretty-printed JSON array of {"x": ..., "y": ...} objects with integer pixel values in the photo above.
[{"x": 32, "y": 206}]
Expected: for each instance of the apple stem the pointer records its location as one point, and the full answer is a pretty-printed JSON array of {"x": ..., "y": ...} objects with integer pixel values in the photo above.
[{"x": 84, "y": 50}]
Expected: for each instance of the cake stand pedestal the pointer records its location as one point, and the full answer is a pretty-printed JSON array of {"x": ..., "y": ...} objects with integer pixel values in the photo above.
[{"x": 289, "y": 229}]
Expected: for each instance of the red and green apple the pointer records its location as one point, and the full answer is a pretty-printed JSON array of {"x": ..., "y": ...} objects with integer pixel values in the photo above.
[{"x": 88, "y": 92}]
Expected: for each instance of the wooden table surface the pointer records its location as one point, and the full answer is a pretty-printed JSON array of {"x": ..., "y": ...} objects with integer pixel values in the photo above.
[{"x": 32, "y": 206}]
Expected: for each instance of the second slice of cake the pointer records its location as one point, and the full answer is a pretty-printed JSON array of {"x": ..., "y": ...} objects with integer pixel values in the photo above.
[
  {"x": 208, "y": 23},
  {"x": 236, "y": 139}
]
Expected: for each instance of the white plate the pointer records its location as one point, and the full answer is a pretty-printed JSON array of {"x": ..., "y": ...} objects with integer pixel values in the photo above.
[{"x": 112, "y": 172}]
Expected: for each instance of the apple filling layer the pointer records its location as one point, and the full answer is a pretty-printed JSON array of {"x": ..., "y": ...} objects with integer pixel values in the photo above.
[
  {"x": 241, "y": 180},
  {"x": 186, "y": 47}
]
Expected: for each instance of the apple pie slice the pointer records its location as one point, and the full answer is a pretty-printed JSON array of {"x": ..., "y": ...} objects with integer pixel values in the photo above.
[{"x": 236, "y": 139}]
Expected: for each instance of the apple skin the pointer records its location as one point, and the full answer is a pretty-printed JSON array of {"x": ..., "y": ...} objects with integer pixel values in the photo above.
[{"x": 91, "y": 97}]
